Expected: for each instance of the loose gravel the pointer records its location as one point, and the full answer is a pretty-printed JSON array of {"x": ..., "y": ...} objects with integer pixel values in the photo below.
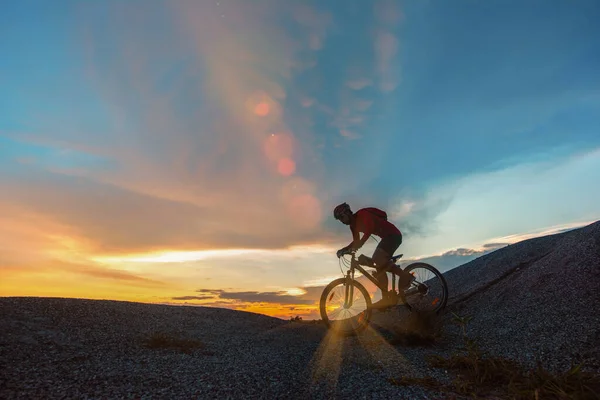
[
  {"x": 536, "y": 300},
  {"x": 70, "y": 348}
]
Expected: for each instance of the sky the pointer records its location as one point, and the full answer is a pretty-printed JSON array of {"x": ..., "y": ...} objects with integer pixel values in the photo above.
[{"x": 189, "y": 152}]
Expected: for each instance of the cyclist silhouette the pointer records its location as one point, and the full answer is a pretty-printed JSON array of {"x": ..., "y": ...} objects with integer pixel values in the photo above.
[{"x": 373, "y": 221}]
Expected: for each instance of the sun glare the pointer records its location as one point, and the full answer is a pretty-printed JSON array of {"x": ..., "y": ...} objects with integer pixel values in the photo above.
[
  {"x": 177, "y": 256},
  {"x": 295, "y": 291},
  {"x": 167, "y": 256}
]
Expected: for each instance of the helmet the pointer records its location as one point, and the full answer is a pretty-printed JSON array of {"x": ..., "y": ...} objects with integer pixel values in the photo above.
[{"x": 340, "y": 210}]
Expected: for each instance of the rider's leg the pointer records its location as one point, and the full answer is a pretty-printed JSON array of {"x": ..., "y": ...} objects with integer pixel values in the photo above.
[
  {"x": 383, "y": 254},
  {"x": 405, "y": 277},
  {"x": 382, "y": 279},
  {"x": 381, "y": 258},
  {"x": 386, "y": 248},
  {"x": 381, "y": 276}
]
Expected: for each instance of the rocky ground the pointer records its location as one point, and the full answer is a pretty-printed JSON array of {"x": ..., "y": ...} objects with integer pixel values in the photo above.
[{"x": 535, "y": 300}]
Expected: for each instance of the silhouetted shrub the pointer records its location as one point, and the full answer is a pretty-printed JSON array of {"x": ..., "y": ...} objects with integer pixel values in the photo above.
[{"x": 161, "y": 340}]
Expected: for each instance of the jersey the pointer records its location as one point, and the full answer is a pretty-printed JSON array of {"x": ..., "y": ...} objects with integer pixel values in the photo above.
[{"x": 371, "y": 221}]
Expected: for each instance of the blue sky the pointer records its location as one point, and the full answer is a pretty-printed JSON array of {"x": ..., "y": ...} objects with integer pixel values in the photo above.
[{"x": 131, "y": 128}]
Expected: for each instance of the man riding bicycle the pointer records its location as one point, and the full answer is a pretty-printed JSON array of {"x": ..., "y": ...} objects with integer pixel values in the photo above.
[{"x": 373, "y": 221}]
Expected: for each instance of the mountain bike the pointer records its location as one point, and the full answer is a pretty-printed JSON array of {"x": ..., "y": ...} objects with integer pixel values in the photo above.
[{"x": 345, "y": 303}]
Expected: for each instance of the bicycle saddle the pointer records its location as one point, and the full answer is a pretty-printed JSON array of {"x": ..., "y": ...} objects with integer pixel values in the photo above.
[{"x": 396, "y": 258}]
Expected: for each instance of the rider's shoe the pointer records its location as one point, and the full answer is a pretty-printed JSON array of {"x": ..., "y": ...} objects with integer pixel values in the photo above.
[
  {"x": 388, "y": 300},
  {"x": 393, "y": 297},
  {"x": 381, "y": 304}
]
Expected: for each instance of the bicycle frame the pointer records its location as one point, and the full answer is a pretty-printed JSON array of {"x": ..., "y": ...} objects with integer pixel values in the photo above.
[{"x": 354, "y": 265}]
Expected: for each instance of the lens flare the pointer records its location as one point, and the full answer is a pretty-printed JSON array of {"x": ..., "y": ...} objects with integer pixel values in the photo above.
[
  {"x": 286, "y": 166},
  {"x": 278, "y": 146},
  {"x": 305, "y": 211},
  {"x": 262, "y": 109}
]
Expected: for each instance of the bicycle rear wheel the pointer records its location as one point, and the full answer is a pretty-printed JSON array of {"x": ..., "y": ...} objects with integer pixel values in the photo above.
[
  {"x": 345, "y": 306},
  {"x": 429, "y": 291}
]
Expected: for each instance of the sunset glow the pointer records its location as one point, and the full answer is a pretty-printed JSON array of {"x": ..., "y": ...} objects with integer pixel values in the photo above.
[{"x": 177, "y": 256}]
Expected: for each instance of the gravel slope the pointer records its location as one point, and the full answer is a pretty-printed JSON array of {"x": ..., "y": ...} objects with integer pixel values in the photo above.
[
  {"x": 57, "y": 348},
  {"x": 537, "y": 298}
]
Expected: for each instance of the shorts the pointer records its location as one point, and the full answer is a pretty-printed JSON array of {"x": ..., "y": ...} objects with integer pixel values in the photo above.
[{"x": 388, "y": 245}]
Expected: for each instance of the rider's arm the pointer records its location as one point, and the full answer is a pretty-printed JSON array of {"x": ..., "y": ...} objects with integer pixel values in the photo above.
[
  {"x": 368, "y": 225},
  {"x": 357, "y": 244},
  {"x": 355, "y": 239}
]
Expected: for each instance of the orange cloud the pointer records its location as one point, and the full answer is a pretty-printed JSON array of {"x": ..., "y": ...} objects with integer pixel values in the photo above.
[{"x": 100, "y": 272}]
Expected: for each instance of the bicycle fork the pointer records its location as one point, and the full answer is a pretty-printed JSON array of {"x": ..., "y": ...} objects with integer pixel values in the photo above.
[{"x": 349, "y": 292}]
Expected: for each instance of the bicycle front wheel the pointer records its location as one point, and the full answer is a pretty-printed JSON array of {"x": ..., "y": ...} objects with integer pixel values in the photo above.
[
  {"x": 429, "y": 291},
  {"x": 345, "y": 306}
]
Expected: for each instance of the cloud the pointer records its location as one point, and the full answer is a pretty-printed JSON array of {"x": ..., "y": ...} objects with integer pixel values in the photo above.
[
  {"x": 386, "y": 48},
  {"x": 362, "y": 104},
  {"x": 192, "y": 298},
  {"x": 307, "y": 102},
  {"x": 415, "y": 212},
  {"x": 359, "y": 83},
  {"x": 315, "y": 22},
  {"x": 60, "y": 272},
  {"x": 279, "y": 297},
  {"x": 402, "y": 210},
  {"x": 102, "y": 272},
  {"x": 278, "y": 303},
  {"x": 388, "y": 12},
  {"x": 456, "y": 257},
  {"x": 552, "y": 230},
  {"x": 513, "y": 201},
  {"x": 495, "y": 245},
  {"x": 349, "y": 134},
  {"x": 195, "y": 149},
  {"x": 211, "y": 291},
  {"x": 125, "y": 221},
  {"x": 351, "y": 117},
  {"x": 388, "y": 15},
  {"x": 315, "y": 42},
  {"x": 461, "y": 252},
  {"x": 450, "y": 259},
  {"x": 36, "y": 244}
]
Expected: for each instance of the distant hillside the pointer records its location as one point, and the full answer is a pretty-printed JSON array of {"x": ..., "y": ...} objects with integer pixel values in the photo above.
[{"x": 535, "y": 298}]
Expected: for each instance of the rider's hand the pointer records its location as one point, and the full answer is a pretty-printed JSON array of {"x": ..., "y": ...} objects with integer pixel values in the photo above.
[{"x": 344, "y": 251}]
